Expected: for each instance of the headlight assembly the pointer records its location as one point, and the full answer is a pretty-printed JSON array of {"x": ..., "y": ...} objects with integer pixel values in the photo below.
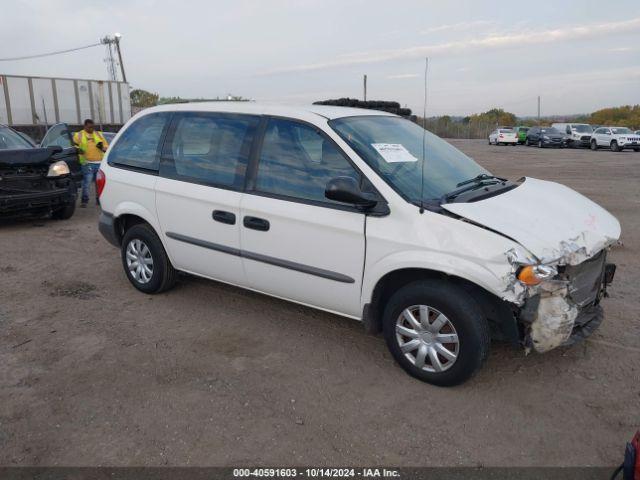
[{"x": 58, "y": 169}]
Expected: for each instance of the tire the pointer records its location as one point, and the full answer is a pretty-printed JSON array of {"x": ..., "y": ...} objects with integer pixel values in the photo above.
[
  {"x": 489, "y": 141},
  {"x": 614, "y": 146},
  {"x": 594, "y": 145},
  {"x": 527, "y": 142},
  {"x": 540, "y": 144},
  {"x": 156, "y": 277},
  {"x": 636, "y": 149},
  {"x": 464, "y": 319},
  {"x": 65, "y": 213}
]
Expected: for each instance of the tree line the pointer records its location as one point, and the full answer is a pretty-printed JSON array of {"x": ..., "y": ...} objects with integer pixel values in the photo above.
[{"x": 478, "y": 125}]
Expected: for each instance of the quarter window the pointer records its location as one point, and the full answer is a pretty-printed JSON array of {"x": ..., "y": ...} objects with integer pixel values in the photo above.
[
  {"x": 138, "y": 144},
  {"x": 210, "y": 148},
  {"x": 297, "y": 161}
]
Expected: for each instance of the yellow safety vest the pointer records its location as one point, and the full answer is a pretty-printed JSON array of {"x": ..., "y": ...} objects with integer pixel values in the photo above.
[{"x": 80, "y": 138}]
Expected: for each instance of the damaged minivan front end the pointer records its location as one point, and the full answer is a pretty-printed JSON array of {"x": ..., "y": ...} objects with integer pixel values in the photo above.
[
  {"x": 559, "y": 272},
  {"x": 561, "y": 302}
]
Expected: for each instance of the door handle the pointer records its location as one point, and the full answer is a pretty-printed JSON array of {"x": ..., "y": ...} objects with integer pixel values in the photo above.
[
  {"x": 255, "y": 223},
  {"x": 224, "y": 217}
]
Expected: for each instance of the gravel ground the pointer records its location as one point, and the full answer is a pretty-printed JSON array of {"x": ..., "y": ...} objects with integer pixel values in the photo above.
[{"x": 93, "y": 372}]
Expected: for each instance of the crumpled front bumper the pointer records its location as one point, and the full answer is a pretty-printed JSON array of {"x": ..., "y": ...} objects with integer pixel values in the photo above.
[
  {"x": 60, "y": 193},
  {"x": 566, "y": 309}
]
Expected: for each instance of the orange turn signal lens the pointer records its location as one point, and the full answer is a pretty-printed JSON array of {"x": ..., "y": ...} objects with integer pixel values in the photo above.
[
  {"x": 532, "y": 275},
  {"x": 527, "y": 275}
]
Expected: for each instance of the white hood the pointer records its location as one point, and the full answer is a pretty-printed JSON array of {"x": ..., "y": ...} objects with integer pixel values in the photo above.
[{"x": 554, "y": 222}]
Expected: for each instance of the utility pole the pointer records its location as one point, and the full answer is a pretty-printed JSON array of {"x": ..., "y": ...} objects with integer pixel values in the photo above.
[
  {"x": 365, "y": 88},
  {"x": 538, "y": 109},
  {"x": 111, "y": 62},
  {"x": 115, "y": 40}
]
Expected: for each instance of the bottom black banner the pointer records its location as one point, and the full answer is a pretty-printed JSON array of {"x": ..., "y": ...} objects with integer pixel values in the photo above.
[{"x": 211, "y": 473}]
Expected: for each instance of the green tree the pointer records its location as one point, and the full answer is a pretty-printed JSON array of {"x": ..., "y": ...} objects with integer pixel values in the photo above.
[{"x": 143, "y": 99}]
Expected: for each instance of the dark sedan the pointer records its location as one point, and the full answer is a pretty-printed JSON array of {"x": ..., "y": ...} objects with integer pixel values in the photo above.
[
  {"x": 546, "y": 137},
  {"x": 37, "y": 180}
]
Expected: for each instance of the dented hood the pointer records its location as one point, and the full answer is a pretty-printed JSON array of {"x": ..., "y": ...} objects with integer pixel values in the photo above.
[{"x": 553, "y": 222}]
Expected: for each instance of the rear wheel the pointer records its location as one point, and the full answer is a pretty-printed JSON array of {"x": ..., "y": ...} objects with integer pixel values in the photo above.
[
  {"x": 436, "y": 332},
  {"x": 145, "y": 260},
  {"x": 540, "y": 144}
]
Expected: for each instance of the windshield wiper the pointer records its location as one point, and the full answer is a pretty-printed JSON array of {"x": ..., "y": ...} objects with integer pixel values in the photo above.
[
  {"x": 480, "y": 181},
  {"x": 480, "y": 178}
]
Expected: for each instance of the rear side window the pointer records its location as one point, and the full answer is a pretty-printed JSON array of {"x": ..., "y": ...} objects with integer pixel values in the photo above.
[
  {"x": 209, "y": 148},
  {"x": 297, "y": 161},
  {"x": 138, "y": 145}
]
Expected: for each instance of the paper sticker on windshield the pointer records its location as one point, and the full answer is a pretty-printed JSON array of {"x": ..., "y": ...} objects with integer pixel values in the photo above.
[{"x": 394, "y": 152}]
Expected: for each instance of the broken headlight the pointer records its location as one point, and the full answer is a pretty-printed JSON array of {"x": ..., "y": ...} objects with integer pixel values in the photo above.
[
  {"x": 58, "y": 169},
  {"x": 531, "y": 275}
]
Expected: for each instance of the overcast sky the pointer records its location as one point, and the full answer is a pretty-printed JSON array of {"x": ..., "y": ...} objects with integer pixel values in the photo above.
[{"x": 578, "y": 55}]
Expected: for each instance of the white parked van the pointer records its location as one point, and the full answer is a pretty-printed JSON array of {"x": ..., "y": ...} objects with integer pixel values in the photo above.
[
  {"x": 344, "y": 210},
  {"x": 578, "y": 134}
]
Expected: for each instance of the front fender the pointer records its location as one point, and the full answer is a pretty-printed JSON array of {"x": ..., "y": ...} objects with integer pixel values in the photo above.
[{"x": 495, "y": 275}]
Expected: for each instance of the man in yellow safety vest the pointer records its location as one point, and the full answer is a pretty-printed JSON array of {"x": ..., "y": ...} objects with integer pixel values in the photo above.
[{"x": 91, "y": 147}]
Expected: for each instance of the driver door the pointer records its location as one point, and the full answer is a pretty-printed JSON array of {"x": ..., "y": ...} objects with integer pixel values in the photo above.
[{"x": 59, "y": 135}]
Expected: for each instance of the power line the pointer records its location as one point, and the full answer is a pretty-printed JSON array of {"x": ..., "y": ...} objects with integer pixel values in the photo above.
[{"x": 40, "y": 55}]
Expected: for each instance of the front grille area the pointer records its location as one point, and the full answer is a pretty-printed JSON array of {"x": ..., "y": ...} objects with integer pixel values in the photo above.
[
  {"x": 585, "y": 138},
  {"x": 585, "y": 279}
]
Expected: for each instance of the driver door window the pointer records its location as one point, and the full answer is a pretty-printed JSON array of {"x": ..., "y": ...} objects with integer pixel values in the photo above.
[{"x": 58, "y": 135}]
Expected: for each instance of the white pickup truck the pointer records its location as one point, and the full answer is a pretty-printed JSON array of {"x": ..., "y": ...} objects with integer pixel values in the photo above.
[{"x": 615, "y": 138}]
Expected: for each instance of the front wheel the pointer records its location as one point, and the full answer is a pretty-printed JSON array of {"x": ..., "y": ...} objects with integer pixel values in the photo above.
[
  {"x": 145, "y": 261},
  {"x": 540, "y": 144},
  {"x": 594, "y": 145},
  {"x": 614, "y": 146},
  {"x": 436, "y": 332},
  {"x": 66, "y": 212}
]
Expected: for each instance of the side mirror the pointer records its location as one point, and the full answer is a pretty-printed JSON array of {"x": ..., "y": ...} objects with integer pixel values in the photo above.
[{"x": 346, "y": 190}]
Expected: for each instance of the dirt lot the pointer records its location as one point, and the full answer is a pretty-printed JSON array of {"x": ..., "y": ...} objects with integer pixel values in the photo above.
[{"x": 93, "y": 372}]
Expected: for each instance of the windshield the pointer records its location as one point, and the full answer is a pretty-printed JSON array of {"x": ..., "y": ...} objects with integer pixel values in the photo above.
[
  {"x": 10, "y": 140},
  {"x": 621, "y": 130},
  {"x": 553, "y": 130},
  {"x": 392, "y": 146},
  {"x": 582, "y": 128},
  {"x": 505, "y": 130}
]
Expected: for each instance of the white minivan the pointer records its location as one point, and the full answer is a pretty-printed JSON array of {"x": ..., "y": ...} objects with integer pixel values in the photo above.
[{"x": 359, "y": 213}]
